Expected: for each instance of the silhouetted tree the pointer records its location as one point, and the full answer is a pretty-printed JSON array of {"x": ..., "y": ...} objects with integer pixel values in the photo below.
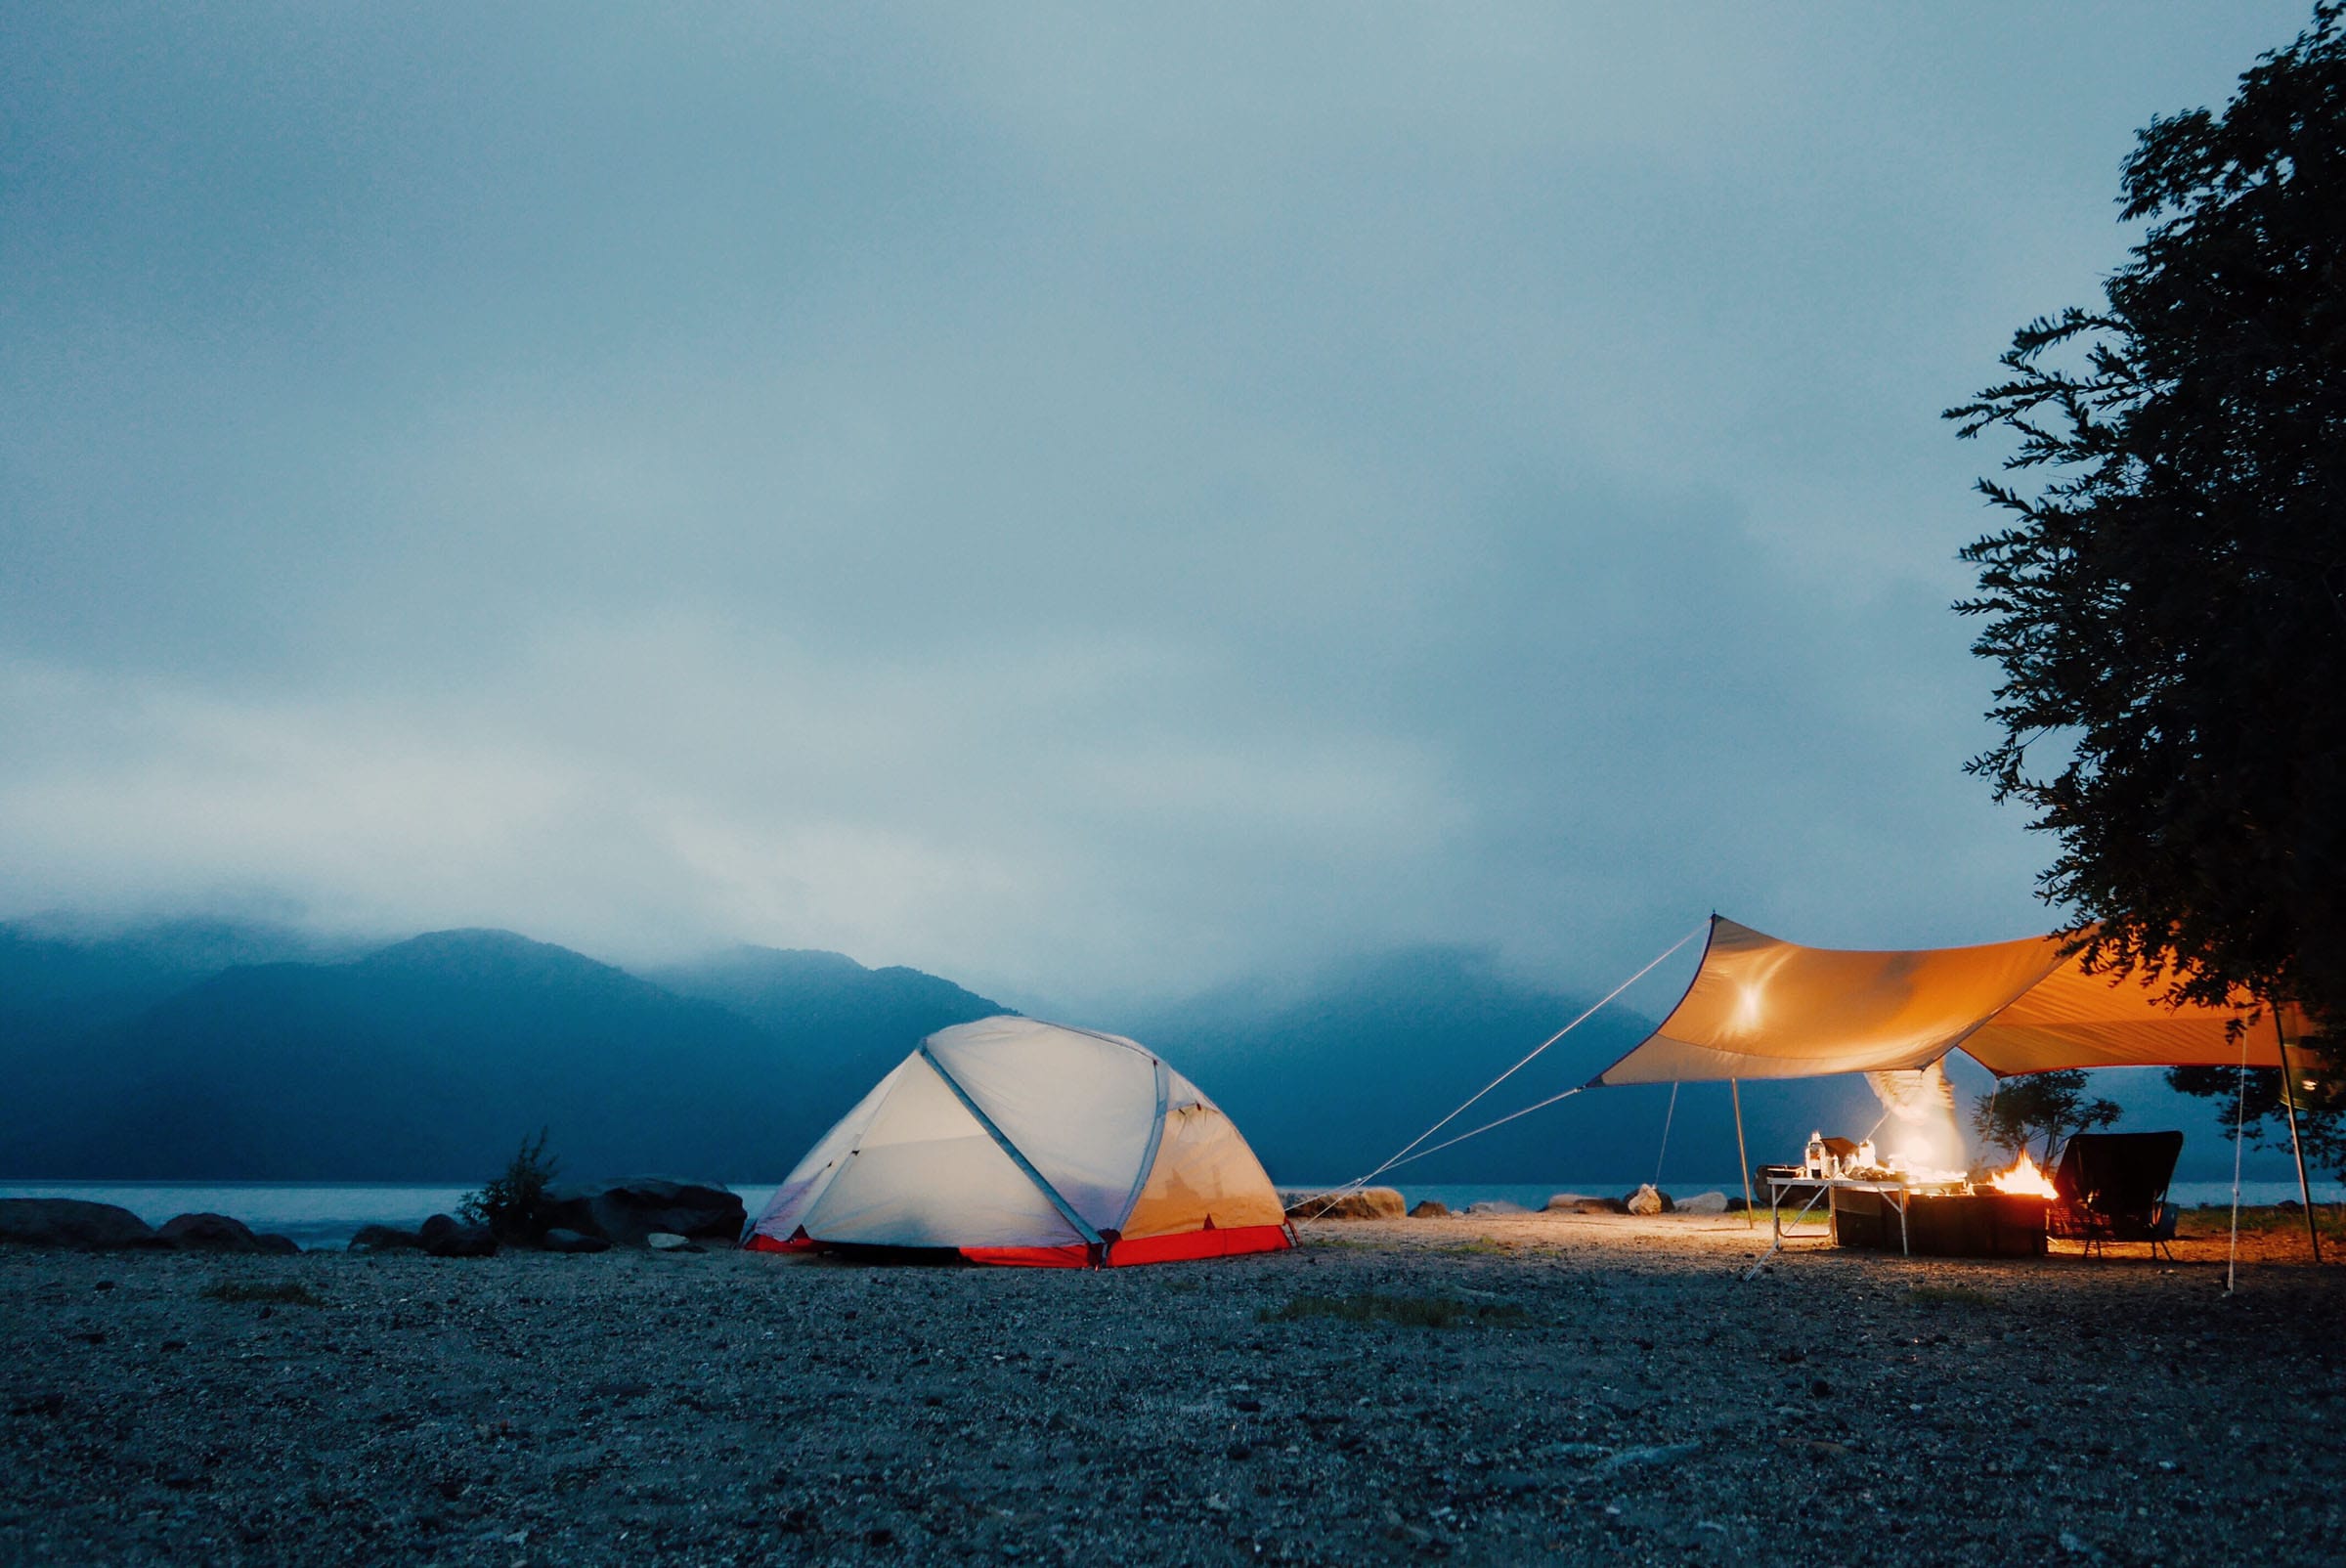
[
  {"x": 2051, "y": 1106},
  {"x": 2168, "y": 607}
]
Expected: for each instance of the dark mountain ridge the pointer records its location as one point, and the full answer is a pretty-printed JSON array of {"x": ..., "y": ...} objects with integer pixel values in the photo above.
[
  {"x": 428, "y": 1059},
  {"x": 207, "y": 1052}
]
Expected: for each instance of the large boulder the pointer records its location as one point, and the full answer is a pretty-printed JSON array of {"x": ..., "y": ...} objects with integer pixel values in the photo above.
[
  {"x": 1597, "y": 1206},
  {"x": 630, "y": 1209},
  {"x": 70, "y": 1222},
  {"x": 1648, "y": 1201},
  {"x": 1368, "y": 1203},
  {"x": 218, "y": 1232},
  {"x": 443, "y": 1237},
  {"x": 1431, "y": 1208},
  {"x": 1704, "y": 1203}
]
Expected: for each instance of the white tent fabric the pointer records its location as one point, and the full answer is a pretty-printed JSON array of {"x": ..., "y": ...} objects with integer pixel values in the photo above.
[
  {"x": 1028, "y": 1142},
  {"x": 1763, "y": 1008}
]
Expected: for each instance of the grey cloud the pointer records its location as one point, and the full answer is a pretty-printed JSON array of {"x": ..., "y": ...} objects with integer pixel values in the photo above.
[{"x": 1088, "y": 502}]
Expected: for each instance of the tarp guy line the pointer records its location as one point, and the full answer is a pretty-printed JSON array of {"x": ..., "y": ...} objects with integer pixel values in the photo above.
[{"x": 1404, "y": 1155}]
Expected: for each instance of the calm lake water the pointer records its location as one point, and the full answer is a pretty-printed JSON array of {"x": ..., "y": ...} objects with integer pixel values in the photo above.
[{"x": 327, "y": 1216}]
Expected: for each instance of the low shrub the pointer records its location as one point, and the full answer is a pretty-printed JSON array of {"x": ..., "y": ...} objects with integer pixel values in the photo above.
[{"x": 514, "y": 1204}]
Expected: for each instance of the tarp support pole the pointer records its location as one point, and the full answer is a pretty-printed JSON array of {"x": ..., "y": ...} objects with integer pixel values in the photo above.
[
  {"x": 2288, "y": 1102},
  {"x": 2240, "y": 1138},
  {"x": 1735, "y": 1087}
]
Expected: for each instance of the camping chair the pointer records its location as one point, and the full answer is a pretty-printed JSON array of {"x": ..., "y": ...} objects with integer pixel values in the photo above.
[{"x": 2113, "y": 1187}]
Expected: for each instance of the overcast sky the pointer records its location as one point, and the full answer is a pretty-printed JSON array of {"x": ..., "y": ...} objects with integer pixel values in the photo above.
[{"x": 1089, "y": 502}]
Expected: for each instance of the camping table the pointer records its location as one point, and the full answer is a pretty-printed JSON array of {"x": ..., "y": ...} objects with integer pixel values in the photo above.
[{"x": 1895, "y": 1190}]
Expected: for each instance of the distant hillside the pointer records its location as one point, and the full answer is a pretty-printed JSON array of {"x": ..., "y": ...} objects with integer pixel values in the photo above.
[
  {"x": 429, "y": 1059},
  {"x": 55, "y": 975},
  {"x": 865, "y": 1020},
  {"x": 204, "y": 1051}
]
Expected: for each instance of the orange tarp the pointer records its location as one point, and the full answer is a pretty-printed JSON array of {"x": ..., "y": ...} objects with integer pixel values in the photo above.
[{"x": 1763, "y": 1008}]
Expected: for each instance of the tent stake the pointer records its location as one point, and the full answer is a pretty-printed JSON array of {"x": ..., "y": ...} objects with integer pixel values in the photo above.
[
  {"x": 2289, "y": 1101},
  {"x": 1735, "y": 1087}
]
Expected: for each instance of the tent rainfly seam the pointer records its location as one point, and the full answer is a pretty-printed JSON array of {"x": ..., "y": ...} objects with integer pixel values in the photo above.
[
  {"x": 1067, "y": 1210},
  {"x": 1157, "y": 1141}
]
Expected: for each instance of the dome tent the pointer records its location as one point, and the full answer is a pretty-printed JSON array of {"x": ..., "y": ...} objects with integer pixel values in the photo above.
[{"x": 1013, "y": 1140}]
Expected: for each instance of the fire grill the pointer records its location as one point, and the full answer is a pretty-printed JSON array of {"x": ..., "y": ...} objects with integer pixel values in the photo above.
[{"x": 1947, "y": 1225}]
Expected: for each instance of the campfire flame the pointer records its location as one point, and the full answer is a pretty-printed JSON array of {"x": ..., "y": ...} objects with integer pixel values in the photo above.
[{"x": 2024, "y": 1179}]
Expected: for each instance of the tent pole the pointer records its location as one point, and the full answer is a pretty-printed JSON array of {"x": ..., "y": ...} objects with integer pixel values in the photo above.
[
  {"x": 1735, "y": 1087},
  {"x": 2289, "y": 1101}
]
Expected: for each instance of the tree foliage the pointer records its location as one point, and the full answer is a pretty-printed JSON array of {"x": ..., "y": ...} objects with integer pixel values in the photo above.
[
  {"x": 2047, "y": 1106},
  {"x": 2253, "y": 1104},
  {"x": 2168, "y": 605}
]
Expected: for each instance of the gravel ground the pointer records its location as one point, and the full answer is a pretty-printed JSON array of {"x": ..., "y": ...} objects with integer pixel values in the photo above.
[{"x": 1626, "y": 1397}]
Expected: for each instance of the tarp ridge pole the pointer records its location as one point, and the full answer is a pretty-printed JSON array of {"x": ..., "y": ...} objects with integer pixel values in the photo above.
[
  {"x": 1742, "y": 1156},
  {"x": 2288, "y": 1103},
  {"x": 2239, "y": 1137}
]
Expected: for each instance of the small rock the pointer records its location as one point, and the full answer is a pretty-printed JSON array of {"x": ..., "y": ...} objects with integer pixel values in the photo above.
[
  {"x": 1578, "y": 1452},
  {"x": 1629, "y": 1459},
  {"x": 669, "y": 1241},
  {"x": 386, "y": 1239},
  {"x": 1597, "y": 1205},
  {"x": 560, "y": 1241},
  {"x": 1368, "y": 1203},
  {"x": 1491, "y": 1207},
  {"x": 1431, "y": 1208},
  {"x": 1647, "y": 1200},
  {"x": 217, "y": 1233},
  {"x": 444, "y": 1238}
]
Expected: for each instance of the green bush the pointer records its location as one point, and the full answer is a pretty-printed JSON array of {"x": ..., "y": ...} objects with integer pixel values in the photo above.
[{"x": 513, "y": 1205}]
